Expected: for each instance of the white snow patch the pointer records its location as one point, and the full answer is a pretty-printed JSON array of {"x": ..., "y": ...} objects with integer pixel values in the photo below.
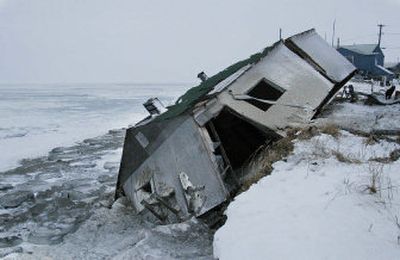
[{"x": 315, "y": 207}]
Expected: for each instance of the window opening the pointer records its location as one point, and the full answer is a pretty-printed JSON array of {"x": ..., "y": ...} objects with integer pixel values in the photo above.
[
  {"x": 267, "y": 91},
  {"x": 147, "y": 188}
]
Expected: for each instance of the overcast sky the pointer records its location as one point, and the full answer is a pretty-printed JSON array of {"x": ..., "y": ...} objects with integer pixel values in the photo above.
[{"x": 168, "y": 40}]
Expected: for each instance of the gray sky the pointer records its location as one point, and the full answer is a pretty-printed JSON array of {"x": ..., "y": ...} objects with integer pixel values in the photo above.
[{"x": 168, "y": 41}]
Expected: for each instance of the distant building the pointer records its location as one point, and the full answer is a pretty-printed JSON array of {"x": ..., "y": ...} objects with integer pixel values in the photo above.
[{"x": 367, "y": 58}]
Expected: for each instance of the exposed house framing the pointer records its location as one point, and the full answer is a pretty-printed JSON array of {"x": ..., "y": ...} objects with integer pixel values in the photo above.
[{"x": 188, "y": 160}]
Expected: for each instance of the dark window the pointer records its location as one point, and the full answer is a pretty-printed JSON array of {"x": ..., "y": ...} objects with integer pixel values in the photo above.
[
  {"x": 147, "y": 188},
  {"x": 267, "y": 91}
]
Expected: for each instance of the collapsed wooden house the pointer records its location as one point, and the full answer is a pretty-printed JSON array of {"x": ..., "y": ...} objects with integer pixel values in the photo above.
[{"x": 187, "y": 160}]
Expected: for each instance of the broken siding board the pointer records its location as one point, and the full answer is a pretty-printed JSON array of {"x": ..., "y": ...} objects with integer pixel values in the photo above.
[
  {"x": 208, "y": 143},
  {"x": 207, "y": 111},
  {"x": 130, "y": 192}
]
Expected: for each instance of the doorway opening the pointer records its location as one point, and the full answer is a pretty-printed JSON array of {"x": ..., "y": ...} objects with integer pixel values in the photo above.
[{"x": 235, "y": 141}]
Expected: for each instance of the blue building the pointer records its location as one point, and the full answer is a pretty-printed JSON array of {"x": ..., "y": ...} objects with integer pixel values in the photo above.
[{"x": 367, "y": 58}]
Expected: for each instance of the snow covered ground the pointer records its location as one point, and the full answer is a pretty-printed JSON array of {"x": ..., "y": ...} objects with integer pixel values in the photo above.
[
  {"x": 328, "y": 200},
  {"x": 362, "y": 117},
  {"x": 36, "y": 118}
]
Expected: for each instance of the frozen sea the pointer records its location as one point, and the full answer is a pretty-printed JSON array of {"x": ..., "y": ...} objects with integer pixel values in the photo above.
[
  {"x": 60, "y": 149},
  {"x": 37, "y": 118}
]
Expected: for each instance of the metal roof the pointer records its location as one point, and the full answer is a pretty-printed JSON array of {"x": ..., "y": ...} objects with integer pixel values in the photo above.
[{"x": 365, "y": 49}]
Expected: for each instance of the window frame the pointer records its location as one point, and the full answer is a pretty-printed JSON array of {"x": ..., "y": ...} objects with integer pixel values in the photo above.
[{"x": 270, "y": 84}]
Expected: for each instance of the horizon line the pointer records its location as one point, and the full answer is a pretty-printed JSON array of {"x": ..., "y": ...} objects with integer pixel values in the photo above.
[{"x": 101, "y": 83}]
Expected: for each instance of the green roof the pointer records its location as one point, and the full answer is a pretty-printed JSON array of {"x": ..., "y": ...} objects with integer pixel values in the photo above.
[
  {"x": 365, "y": 49},
  {"x": 198, "y": 93}
]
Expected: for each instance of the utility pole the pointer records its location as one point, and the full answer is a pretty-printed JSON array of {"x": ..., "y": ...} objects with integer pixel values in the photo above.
[
  {"x": 280, "y": 34},
  {"x": 333, "y": 32},
  {"x": 380, "y": 34}
]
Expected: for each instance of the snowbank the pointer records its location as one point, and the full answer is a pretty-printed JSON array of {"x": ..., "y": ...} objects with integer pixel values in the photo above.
[{"x": 313, "y": 206}]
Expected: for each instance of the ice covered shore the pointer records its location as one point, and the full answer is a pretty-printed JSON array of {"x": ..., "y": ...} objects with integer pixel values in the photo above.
[{"x": 61, "y": 206}]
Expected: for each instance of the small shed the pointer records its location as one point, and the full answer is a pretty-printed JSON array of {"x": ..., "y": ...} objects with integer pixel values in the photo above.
[{"x": 189, "y": 160}]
